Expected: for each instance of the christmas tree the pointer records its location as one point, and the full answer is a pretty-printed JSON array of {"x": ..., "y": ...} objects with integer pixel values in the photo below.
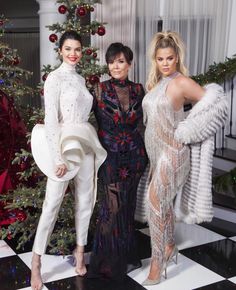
[
  {"x": 11, "y": 75},
  {"x": 28, "y": 197},
  {"x": 12, "y": 127}
]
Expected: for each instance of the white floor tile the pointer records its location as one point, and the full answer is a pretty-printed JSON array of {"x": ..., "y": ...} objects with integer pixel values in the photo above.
[
  {"x": 145, "y": 231},
  {"x": 187, "y": 236},
  {"x": 5, "y": 250},
  {"x": 233, "y": 238},
  {"x": 53, "y": 267},
  {"x": 186, "y": 275},
  {"x": 233, "y": 280}
]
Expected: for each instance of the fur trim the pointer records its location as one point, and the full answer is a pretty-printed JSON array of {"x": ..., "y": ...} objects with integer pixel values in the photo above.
[{"x": 206, "y": 117}]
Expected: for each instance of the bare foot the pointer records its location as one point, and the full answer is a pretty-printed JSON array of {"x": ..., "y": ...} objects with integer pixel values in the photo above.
[
  {"x": 36, "y": 279},
  {"x": 80, "y": 267}
]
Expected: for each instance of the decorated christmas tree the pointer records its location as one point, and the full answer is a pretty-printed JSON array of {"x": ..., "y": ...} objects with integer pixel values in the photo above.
[
  {"x": 11, "y": 75},
  {"x": 12, "y": 127},
  {"x": 28, "y": 196}
]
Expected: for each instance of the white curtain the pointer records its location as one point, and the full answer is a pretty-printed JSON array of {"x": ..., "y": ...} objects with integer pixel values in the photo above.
[
  {"x": 204, "y": 26},
  {"x": 120, "y": 18},
  {"x": 132, "y": 22},
  {"x": 148, "y": 22}
]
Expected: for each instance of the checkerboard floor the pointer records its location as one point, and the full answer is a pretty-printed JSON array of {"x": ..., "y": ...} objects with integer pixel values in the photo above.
[{"x": 206, "y": 261}]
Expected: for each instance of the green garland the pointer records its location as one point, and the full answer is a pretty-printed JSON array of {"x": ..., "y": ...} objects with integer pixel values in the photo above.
[{"x": 218, "y": 73}]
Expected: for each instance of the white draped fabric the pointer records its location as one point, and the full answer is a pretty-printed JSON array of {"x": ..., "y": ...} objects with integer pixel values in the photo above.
[
  {"x": 204, "y": 26},
  {"x": 120, "y": 18},
  {"x": 147, "y": 21}
]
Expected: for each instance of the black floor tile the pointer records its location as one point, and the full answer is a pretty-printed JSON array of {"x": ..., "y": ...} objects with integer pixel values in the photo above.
[
  {"x": 138, "y": 225},
  {"x": 14, "y": 274},
  {"x": 219, "y": 256},
  {"x": 222, "y": 227},
  {"x": 80, "y": 283},
  {"x": 14, "y": 242},
  {"x": 222, "y": 285},
  {"x": 143, "y": 245}
]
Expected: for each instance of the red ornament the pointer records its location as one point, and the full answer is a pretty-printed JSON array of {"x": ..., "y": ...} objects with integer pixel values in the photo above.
[
  {"x": 88, "y": 51},
  {"x": 95, "y": 55},
  {"x": 21, "y": 216},
  {"x": 81, "y": 11},
  {"x": 53, "y": 37},
  {"x": 91, "y": 8},
  {"x": 1, "y": 22},
  {"x": 93, "y": 79},
  {"x": 42, "y": 92},
  {"x": 101, "y": 30},
  {"x": 9, "y": 236},
  {"x": 62, "y": 9},
  {"x": 44, "y": 77}
]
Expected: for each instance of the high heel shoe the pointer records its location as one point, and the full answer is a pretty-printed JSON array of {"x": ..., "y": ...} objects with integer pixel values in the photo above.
[
  {"x": 173, "y": 256},
  {"x": 78, "y": 263},
  {"x": 149, "y": 282}
]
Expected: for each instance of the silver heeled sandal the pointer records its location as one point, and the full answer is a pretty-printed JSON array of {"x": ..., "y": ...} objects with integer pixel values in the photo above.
[
  {"x": 149, "y": 282},
  {"x": 173, "y": 256}
]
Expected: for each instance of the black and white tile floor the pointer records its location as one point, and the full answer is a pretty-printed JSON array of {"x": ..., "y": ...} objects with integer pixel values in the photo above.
[{"x": 206, "y": 261}]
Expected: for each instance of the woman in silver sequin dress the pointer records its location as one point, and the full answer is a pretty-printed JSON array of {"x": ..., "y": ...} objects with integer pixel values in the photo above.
[{"x": 169, "y": 89}]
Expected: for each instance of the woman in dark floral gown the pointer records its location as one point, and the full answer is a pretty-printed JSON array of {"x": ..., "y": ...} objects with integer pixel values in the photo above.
[{"x": 118, "y": 110}]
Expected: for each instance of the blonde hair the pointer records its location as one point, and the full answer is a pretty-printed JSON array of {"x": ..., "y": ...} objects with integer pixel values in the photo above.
[{"x": 164, "y": 40}]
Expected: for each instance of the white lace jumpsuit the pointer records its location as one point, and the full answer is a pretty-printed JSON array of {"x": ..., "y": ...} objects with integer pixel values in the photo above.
[
  {"x": 67, "y": 102},
  {"x": 170, "y": 163}
]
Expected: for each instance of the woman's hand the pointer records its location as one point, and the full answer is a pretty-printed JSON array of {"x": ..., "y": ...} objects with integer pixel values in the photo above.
[{"x": 61, "y": 170}]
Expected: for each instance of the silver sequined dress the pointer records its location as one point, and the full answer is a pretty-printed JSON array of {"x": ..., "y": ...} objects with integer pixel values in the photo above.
[{"x": 170, "y": 164}]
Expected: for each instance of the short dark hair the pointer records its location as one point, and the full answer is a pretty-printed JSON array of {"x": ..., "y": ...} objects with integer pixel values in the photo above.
[
  {"x": 116, "y": 48},
  {"x": 69, "y": 34}
]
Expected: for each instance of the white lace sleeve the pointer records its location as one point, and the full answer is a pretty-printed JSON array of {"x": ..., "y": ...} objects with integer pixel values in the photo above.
[{"x": 52, "y": 101}]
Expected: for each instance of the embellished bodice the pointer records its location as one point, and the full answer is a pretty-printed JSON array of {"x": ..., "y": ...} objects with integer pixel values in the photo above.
[
  {"x": 161, "y": 121},
  {"x": 67, "y": 101},
  {"x": 118, "y": 110}
]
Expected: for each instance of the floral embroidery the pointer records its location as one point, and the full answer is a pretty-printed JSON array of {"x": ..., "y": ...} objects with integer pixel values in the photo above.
[
  {"x": 123, "y": 138},
  {"x": 123, "y": 172}
]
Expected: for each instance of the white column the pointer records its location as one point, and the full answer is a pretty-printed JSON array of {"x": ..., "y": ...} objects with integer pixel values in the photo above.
[{"x": 48, "y": 15}]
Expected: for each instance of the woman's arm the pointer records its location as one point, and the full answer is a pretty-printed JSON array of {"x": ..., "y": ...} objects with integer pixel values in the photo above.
[
  {"x": 184, "y": 90},
  {"x": 52, "y": 127}
]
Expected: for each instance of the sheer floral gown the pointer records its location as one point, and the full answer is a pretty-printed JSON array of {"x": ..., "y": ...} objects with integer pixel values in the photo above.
[
  {"x": 118, "y": 110},
  {"x": 169, "y": 163}
]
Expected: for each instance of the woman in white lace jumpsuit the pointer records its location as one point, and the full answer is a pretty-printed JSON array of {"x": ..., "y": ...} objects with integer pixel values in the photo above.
[
  {"x": 67, "y": 107},
  {"x": 168, "y": 89}
]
